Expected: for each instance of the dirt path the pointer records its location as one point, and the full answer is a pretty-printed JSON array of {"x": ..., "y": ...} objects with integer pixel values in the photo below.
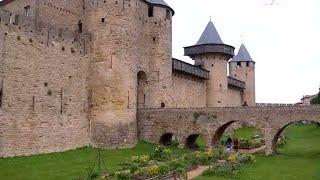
[{"x": 197, "y": 172}]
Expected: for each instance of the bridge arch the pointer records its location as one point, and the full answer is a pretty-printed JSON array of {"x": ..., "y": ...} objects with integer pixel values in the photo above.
[
  {"x": 222, "y": 128},
  {"x": 166, "y": 139},
  {"x": 278, "y": 132},
  {"x": 191, "y": 141}
]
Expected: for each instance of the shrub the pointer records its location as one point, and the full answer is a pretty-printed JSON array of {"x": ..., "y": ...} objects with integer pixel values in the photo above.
[
  {"x": 152, "y": 170},
  {"x": 246, "y": 158},
  {"x": 161, "y": 153},
  {"x": 174, "y": 143},
  {"x": 164, "y": 168},
  {"x": 316, "y": 100},
  {"x": 233, "y": 158},
  {"x": 227, "y": 170},
  {"x": 144, "y": 159},
  {"x": 122, "y": 175},
  {"x": 282, "y": 141},
  {"x": 220, "y": 154}
]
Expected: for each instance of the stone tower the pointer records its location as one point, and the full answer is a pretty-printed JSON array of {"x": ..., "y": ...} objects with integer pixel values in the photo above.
[
  {"x": 130, "y": 39},
  {"x": 212, "y": 54},
  {"x": 113, "y": 71},
  {"x": 242, "y": 67}
]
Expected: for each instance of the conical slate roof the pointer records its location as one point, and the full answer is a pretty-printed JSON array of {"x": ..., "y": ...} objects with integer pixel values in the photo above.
[
  {"x": 243, "y": 55},
  {"x": 210, "y": 35},
  {"x": 159, "y": 2}
]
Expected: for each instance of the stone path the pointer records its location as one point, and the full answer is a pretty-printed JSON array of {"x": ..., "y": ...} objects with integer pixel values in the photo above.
[{"x": 197, "y": 172}]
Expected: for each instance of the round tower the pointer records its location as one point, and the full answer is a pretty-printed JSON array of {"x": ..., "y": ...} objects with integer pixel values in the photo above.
[
  {"x": 242, "y": 67},
  {"x": 212, "y": 54},
  {"x": 113, "y": 26},
  {"x": 160, "y": 46},
  {"x": 124, "y": 47}
]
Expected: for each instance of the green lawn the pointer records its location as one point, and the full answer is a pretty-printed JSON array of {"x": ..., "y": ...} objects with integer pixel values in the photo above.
[
  {"x": 300, "y": 160},
  {"x": 247, "y": 132},
  {"x": 67, "y": 165}
]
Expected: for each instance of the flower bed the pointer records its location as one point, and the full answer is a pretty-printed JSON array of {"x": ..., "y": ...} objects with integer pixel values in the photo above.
[{"x": 163, "y": 162}]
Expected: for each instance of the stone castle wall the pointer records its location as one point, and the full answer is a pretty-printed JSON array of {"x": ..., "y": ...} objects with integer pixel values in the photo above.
[
  {"x": 235, "y": 97},
  {"x": 188, "y": 91},
  {"x": 44, "y": 93}
]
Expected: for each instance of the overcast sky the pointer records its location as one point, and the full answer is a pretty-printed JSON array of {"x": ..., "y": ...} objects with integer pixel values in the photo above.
[{"x": 283, "y": 39}]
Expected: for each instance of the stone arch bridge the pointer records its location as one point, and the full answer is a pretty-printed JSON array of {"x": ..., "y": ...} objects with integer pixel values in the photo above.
[{"x": 186, "y": 125}]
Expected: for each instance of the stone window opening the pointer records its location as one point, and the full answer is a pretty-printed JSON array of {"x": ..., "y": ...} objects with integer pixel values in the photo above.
[
  {"x": 168, "y": 15},
  {"x": 1, "y": 95},
  {"x": 248, "y": 64},
  {"x": 33, "y": 102},
  {"x": 163, "y": 105},
  {"x": 238, "y": 64},
  {"x": 27, "y": 11},
  {"x": 150, "y": 11},
  {"x": 80, "y": 27},
  {"x": 61, "y": 101},
  {"x": 103, "y": 20},
  {"x": 16, "y": 19},
  {"x": 11, "y": 18}
]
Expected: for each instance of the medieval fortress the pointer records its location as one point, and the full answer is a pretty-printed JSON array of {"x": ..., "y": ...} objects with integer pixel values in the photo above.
[{"x": 75, "y": 73}]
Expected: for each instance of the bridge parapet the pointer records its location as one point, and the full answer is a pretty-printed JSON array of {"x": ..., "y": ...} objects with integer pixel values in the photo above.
[{"x": 274, "y": 105}]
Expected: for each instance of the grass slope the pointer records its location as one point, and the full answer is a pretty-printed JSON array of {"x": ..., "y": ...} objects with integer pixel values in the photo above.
[
  {"x": 299, "y": 160},
  {"x": 66, "y": 165}
]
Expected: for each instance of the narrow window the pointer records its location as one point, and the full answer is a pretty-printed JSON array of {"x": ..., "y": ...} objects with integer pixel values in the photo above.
[
  {"x": 61, "y": 101},
  {"x": 168, "y": 14},
  {"x": 150, "y": 11},
  {"x": 238, "y": 64},
  {"x": 1, "y": 96},
  {"x": 163, "y": 105},
  {"x": 11, "y": 19},
  {"x": 248, "y": 64},
  {"x": 16, "y": 20},
  {"x": 27, "y": 11},
  {"x": 103, "y": 20},
  {"x": 33, "y": 102},
  {"x": 80, "y": 27}
]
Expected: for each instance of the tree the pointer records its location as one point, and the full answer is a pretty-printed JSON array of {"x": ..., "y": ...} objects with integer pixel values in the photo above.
[{"x": 316, "y": 100}]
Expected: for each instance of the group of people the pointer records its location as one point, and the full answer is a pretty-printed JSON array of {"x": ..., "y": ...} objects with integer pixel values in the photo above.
[{"x": 232, "y": 144}]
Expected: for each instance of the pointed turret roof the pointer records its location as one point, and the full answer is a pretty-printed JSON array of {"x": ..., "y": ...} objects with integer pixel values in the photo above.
[
  {"x": 160, "y": 3},
  {"x": 209, "y": 42},
  {"x": 243, "y": 55},
  {"x": 210, "y": 35}
]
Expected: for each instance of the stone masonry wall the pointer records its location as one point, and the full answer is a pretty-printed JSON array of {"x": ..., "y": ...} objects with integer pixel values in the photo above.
[
  {"x": 188, "y": 91},
  {"x": 235, "y": 97},
  {"x": 44, "y": 104}
]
